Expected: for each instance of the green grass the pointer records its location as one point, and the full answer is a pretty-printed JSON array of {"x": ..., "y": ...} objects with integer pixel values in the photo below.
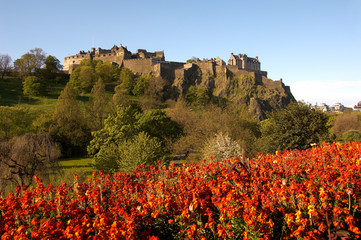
[
  {"x": 75, "y": 164},
  {"x": 11, "y": 94},
  {"x": 70, "y": 166},
  {"x": 11, "y": 91}
]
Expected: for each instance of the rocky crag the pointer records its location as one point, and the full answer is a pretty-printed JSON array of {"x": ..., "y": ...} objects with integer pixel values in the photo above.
[{"x": 240, "y": 80}]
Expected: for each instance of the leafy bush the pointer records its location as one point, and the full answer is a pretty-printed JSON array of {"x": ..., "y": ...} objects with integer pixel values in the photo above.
[
  {"x": 131, "y": 126},
  {"x": 351, "y": 135},
  {"x": 34, "y": 86}
]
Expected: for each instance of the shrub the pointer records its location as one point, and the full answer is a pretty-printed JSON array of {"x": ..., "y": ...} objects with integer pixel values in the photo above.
[{"x": 34, "y": 86}]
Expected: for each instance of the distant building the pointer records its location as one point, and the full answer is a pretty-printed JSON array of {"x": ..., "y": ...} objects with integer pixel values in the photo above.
[
  {"x": 323, "y": 107},
  {"x": 357, "y": 107},
  {"x": 337, "y": 107},
  {"x": 244, "y": 62}
]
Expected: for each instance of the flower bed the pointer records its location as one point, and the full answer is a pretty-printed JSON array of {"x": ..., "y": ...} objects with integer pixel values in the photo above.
[{"x": 312, "y": 194}]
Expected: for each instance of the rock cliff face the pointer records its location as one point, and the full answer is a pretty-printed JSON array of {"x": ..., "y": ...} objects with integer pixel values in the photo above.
[{"x": 254, "y": 89}]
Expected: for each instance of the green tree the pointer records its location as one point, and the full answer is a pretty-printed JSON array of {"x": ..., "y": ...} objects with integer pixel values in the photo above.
[
  {"x": 87, "y": 78},
  {"x": 96, "y": 106},
  {"x": 197, "y": 96},
  {"x": 34, "y": 86},
  {"x": 84, "y": 76},
  {"x": 122, "y": 128},
  {"x": 296, "y": 126},
  {"x": 205, "y": 122},
  {"x": 142, "y": 149},
  {"x": 127, "y": 155},
  {"x": 69, "y": 127},
  {"x": 51, "y": 69},
  {"x": 107, "y": 71},
  {"x": 141, "y": 85},
  {"x": 158, "y": 124},
  {"x": 119, "y": 99},
  {"x": 29, "y": 62},
  {"x": 127, "y": 79},
  {"x": 116, "y": 128},
  {"x": 351, "y": 135},
  {"x": 15, "y": 121},
  {"x": 52, "y": 64}
]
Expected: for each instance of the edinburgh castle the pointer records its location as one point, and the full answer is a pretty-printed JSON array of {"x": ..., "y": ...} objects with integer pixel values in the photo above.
[
  {"x": 219, "y": 78},
  {"x": 144, "y": 62}
]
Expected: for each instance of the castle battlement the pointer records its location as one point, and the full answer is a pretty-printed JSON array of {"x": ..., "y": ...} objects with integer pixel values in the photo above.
[{"x": 144, "y": 62}]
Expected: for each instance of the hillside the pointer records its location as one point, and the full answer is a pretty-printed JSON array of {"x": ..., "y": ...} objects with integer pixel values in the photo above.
[{"x": 254, "y": 89}]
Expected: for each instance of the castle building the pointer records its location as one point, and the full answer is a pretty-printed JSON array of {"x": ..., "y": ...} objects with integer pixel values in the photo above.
[
  {"x": 116, "y": 55},
  {"x": 144, "y": 62},
  {"x": 212, "y": 74},
  {"x": 245, "y": 62}
]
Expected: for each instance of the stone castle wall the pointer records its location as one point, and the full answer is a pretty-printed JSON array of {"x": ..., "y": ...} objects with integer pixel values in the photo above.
[
  {"x": 140, "y": 66},
  {"x": 206, "y": 67},
  {"x": 113, "y": 57},
  {"x": 143, "y": 62}
]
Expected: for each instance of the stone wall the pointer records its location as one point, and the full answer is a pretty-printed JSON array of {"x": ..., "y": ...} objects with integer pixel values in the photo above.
[
  {"x": 74, "y": 60},
  {"x": 110, "y": 57},
  {"x": 206, "y": 67},
  {"x": 140, "y": 66},
  {"x": 167, "y": 69}
]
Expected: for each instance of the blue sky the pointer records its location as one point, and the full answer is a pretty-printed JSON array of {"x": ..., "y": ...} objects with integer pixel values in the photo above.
[{"x": 314, "y": 46}]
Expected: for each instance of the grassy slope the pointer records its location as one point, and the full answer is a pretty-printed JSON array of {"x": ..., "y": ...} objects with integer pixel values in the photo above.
[
  {"x": 70, "y": 164},
  {"x": 11, "y": 93}
]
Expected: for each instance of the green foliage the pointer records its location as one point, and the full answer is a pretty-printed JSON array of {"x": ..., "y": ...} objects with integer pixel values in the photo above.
[
  {"x": 96, "y": 106},
  {"x": 43, "y": 122},
  {"x": 297, "y": 126},
  {"x": 204, "y": 123},
  {"x": 120, "y": 131},
  {"x": 29, "y": 62},
  {"x": 34, "y": 86},
  {"x": 158, "y": 124},
  {"x": 87, "y": 78},
  {"x": 142, "y": 149},
  {"x": 197, "y": 96},
  {"x": 15, "y": 121},
  {"x": 351, "y": 135},
  {"x": 69, "y": 126},
  {"x": 107, "y": 71},
  {"x": 89, "y": 71},
  {"x": 130, "y": 153},
  {"x": 119, "y": 99},
  {"x": 116, "y": 128},
  {"x": 127, "y": 79},
  {"x": 141, "y": 85},
  {"x": 52, "y": 64}
]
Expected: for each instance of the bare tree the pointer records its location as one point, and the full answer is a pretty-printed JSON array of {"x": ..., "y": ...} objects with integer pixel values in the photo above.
[
  {"x": 5, "y": 64},
  {"x": 39, "y": 57},
  {"x": 29, "y": 62},
  {"x": 23, "y": 157}
]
